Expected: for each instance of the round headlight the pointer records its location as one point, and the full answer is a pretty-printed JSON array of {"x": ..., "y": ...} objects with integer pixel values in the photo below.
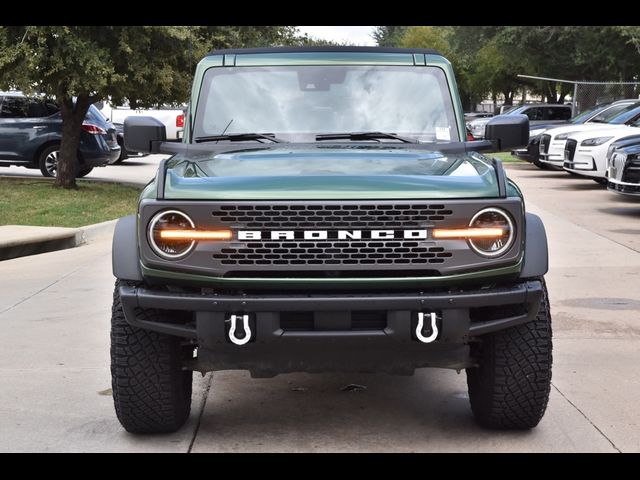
[
  {"x": 492, "y": 218},
  {"x": 168, "y": 247}
]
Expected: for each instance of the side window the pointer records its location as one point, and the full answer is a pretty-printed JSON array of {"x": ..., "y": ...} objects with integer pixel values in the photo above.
[
  {"x": 14, "y": 107},
  {"x": 36, "y": 109},
  {"x": 51, "y": 107},
  {"x": 558, "y": 113},
  {"x": 21, "y": 107},
  {"x": 534, "y": 113}
]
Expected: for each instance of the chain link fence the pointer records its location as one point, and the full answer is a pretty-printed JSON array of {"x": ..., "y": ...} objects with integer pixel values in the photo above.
[{"x": 589, "y": 94}]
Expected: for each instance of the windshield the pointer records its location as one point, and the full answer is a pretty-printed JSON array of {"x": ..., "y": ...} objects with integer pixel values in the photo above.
[
  {"x": 296, "y": 103},
  {"x": 513, "y": 110},
  {"x": 584, "y": 116},
  {"x": 623, "y": 116}
]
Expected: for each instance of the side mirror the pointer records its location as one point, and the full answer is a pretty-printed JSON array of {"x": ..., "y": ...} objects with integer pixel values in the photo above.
[
  {"x": 507, "y": 131},
  {"x": 142, "y": 134}
]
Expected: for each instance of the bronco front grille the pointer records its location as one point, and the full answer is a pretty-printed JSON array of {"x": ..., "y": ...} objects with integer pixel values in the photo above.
[
  {"x": 350, "y": 243},
  {"x": 331, "y": 252},
  {"x": 331, "y": 216}
]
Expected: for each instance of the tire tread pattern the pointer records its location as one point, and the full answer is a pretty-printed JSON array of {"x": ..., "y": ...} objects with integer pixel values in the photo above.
[
  {"x": 151, "y": 391},
  {"x": 510, "y": 388}
]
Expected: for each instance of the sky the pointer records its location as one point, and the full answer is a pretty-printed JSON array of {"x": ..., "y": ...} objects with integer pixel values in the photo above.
[{"x": 354, "y": 35}]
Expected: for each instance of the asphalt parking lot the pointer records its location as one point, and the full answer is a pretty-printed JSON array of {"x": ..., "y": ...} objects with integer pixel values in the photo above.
[{"x": 54, "y": 355}]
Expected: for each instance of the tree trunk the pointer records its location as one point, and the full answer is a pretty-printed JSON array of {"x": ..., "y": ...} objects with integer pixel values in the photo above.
[
  {"x": 552, "y": 92},
  {"x": 73, "y": 114}
]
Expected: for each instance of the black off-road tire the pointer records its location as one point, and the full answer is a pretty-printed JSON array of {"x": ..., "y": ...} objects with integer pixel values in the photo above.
[
  {"x": 151, "y": 391},
  {"x": 509, "y": 390}
]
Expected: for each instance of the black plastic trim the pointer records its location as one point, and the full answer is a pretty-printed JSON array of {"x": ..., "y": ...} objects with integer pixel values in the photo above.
[
  {"x": 536, "y": 250},
  {"x": 161, "y": 178},
  {"x": 529, "y": 293},
  {"x": 502, "y": 177},
  {"x": 125, "y": 256},
  {"x": 239, "y": 51}
]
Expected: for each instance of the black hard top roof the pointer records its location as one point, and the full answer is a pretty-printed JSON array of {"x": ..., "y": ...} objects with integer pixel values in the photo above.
[{"x": 233, "y": 51}]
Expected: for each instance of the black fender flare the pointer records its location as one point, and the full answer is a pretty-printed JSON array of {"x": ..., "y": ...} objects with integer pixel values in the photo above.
[
  {"x": 125, "y": 256},
  {"x": 536, "y": 250}
]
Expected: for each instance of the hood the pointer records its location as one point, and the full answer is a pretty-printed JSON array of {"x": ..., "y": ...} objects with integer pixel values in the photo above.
[
  {"x": 621, "y": 131},
  {"x": 585, "y": 127},
  {"x": 323, "y": 172}
]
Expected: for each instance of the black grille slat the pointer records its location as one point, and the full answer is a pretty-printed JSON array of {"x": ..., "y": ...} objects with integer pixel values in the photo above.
[
  {"x": 570, "y": 149},
  {"x": 331, "y": 216},
  {"x": 336, "y": 253},
  {"x": 359, "y": 320},
  {"x": 545, "y": 140}
]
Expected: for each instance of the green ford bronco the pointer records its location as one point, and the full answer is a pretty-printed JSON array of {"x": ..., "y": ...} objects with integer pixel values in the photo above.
[{"x": 325, "y": 212}]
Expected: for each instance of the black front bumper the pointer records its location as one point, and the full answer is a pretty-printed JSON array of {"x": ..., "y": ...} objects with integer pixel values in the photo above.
[
  {"x": 394, "y": 348},
  {"x": 624, "y": 189},
  {"x": 529, "y": 154}
]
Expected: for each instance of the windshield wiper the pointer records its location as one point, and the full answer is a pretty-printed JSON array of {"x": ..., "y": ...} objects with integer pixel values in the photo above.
[
  {"x": 363, "y": 136},
  {"x": 240, "y": 137}
]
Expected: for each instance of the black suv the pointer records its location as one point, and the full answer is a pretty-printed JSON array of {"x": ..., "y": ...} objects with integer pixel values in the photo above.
[{"x": 31, "y": 131}]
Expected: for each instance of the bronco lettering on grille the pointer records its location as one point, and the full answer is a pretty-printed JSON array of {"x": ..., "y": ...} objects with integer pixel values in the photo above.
[{"x": 327, "y": 234}]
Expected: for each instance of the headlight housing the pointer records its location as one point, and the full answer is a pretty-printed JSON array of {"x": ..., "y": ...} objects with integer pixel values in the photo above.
[
  {"x": 563, "y": 136},
  {"x": 492, "y": 218},
  {"x": 594, "y": 142},
  {"x": 170, "y": 248},
  {"x": 536, "y": 131}
]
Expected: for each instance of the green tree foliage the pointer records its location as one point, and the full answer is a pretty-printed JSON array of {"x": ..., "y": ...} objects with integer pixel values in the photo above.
[
  {"x": 388, "y": 36},
  {"x": 632, "y": 34},
  {"x": 487, "y": 59},
  {"x": 145, "y": 65}
]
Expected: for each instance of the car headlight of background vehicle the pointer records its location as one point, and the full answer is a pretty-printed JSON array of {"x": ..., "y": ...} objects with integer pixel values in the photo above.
[
  {"x": 492, "y": 218},
  {"x": 594, "y": 142},
  {"x": 563, "y": 136},
  {"x": 536, "y": 131}
]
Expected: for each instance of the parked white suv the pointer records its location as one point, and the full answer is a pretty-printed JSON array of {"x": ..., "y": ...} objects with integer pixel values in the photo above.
[
  {"x": 586, "y": 152},
  {"x": 173, "y": 118},
  {"x": 553, "y": 141}
]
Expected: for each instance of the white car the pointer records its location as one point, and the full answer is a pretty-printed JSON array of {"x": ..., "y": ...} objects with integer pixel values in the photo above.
[
  {"x": 553, "y": 141},
  {"x": 586, "y": 152},
  {"x": 173, "y": 118},
  {"x": 623, "y": 167}
]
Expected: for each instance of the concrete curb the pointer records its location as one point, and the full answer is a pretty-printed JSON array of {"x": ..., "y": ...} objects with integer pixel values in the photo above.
[
  {"x": 23, "y": 241},
  {"x": 91, "y": 232}
]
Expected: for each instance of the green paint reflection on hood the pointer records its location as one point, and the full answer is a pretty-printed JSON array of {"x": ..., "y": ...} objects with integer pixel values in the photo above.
[{"x": 323, "y": 172}]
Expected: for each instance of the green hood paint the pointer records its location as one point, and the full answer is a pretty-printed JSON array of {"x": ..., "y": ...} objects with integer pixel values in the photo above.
[{"x": 309, "y": 172}]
